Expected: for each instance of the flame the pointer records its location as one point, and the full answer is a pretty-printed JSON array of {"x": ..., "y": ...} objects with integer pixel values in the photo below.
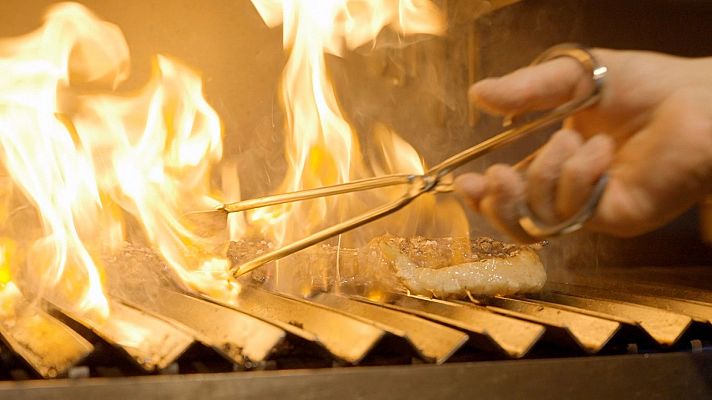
[
  {"x": 322, "y": 148},
  {"x": 84, "y": 165},
  {"x": 86, "y": 161},
  {"x": 7, "y": 254},
  {"x": 154, "y": 161},
  {"x": 11, "y": 300}
]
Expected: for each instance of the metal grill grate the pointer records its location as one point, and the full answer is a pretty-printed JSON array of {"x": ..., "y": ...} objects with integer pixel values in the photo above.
[{"x": 263, "y": 330}]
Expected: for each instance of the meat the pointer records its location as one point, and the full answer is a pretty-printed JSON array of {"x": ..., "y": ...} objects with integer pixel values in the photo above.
[
  {"x": 448, "y": 267},
  {"x": 443, "y": 267}
]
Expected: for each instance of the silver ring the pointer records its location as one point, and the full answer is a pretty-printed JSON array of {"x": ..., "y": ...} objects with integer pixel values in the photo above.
[
  {"x": 584, "y": 57},
  {"x": 581, "y": 54},
  {"x": 537, "y": 229},
  {"x": 530, "y": 223}
]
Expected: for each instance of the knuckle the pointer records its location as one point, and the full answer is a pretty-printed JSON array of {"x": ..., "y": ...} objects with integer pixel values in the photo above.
[
  {"x": 542, "y": 177},
  {"x": 577, "y": 172}
]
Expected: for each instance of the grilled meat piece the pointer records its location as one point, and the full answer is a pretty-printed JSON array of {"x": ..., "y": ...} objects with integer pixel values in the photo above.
[
  {"x": 448, "y": 267},
  {"x": 442, "y": 267}
]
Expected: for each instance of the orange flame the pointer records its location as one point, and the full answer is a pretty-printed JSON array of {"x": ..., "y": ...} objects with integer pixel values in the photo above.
[
  {"x": 322, "y": 148},
  {"x": 89, "y": 164},
  {"x": 85, "y": 161}
]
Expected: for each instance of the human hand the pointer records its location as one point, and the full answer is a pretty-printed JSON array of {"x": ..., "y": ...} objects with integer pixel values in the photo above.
[{"x": 651, "y": 131}]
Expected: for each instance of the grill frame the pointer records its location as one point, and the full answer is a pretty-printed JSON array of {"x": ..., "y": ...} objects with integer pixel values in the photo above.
[{"x": 644, "y": 376}]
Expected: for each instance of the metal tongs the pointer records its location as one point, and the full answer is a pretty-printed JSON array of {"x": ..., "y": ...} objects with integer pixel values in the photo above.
[{"x": 437, "y": 178}]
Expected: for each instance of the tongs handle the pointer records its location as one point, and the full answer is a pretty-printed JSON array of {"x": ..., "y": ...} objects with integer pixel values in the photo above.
[
  {"x": 553, "y": 116},
  {"x": 307, "y": 194}
]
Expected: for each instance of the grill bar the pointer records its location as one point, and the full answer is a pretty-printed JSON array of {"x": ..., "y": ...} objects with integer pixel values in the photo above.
[
  {"x": 698, "y": 311},
  {"x": 346, "y": 338},
  {"x": 664, "y": 327},
  {"x": 48, "y": 346},
  {"x": 241, "y": 338},
  {"x": 488, "y": 331},
  {"x": 632, "y": 285},
  {"x": 264, "y": 330},
  {"x": 152, "y": 343},
  {"x": 587, "y": 332},
  {"x": 434, "y": 342}
]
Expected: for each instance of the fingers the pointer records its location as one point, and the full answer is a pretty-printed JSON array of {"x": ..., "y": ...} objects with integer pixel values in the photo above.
[
  {"x": 561, "y": 179},
  {"x": 502, "y": 204},
  {"x": 497, "y": 195},
  {"x": 558, "y": 183},
  {"x": 532, "y": 88},
  {"x": 471, "y": 188},
  {"x": 544, "y": 173},
  {"x": 581, "y": 172},
  {"x": 661, "y": 171}
]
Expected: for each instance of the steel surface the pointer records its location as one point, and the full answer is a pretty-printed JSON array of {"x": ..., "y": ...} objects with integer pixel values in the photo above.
[
  {"x": 238, "y": 336},
  {"x": 345, "y": 338},
  {"x": 662, "y": 326},
  {"x": 152, "y": 343},
  {"x": 489, "y": 331},
  {"x": 47, "y": 345},
  {"x": 434, "y": 342},
  {"x": 588, "y": 332},
  {"x": 657, "y": 376}
]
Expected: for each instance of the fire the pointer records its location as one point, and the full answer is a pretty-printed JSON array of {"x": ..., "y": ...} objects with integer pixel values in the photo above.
[
  {"x": 322, "y": 148},
  {"x": 84, "y": 164},
  {"x": 84, "y": 161}
]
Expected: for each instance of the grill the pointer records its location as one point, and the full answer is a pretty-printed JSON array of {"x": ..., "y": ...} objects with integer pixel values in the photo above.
[
  {"x": 343, "y": 341},
  {"x": 594, "y": 332}
]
